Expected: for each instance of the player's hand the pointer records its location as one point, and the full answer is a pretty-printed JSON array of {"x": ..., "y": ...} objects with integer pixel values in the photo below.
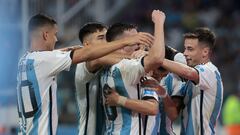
[
  {"x": 112, "y": 98},
  {"x": 139, "y": 54},
  {"x": 158, "y": 16},
  {"x": 140, "y": 38},
  {"x": 153, "y": 84}
]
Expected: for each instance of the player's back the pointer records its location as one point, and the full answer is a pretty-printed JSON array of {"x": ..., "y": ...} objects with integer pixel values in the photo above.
[
  {"x": 124, "y": 78},
  {"x": 36, "y": 90}
]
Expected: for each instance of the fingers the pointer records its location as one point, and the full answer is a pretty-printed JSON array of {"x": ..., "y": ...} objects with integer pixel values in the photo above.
[
  {"x": 158, "y": 16},
  {"x": 146, "y": 38}
]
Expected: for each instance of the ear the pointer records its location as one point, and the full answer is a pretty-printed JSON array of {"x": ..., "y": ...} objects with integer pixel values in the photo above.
[
  {"x": 45, "y": 35},
  {"x": 205, "y": 51},
  {"x": 86, "y": 43}
]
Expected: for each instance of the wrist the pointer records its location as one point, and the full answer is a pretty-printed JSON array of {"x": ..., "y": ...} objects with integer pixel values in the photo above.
[
  {"x": 164, "y": 95},
  {"x": 122, "y": 100}
]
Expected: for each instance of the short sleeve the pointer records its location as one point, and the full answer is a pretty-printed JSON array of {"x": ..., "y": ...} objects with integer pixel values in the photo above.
[
  {"x": 55, "y": 61},
  {"x": 206, "y": 75},
  {"x": 82, "y": 74},
  {"x": 173, "y": 84},
  {"x": 132, "y": 70},
  {"x": 149, "y": 94}
]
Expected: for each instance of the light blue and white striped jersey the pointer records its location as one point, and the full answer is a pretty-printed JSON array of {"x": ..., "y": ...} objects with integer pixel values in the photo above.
[
  {"x": 202, "y": 102},
  {"x": 36, "y": 90},
  {"x": 163, "y": 125},
  {"x": 88, "y": 100},
  {"x": 125, "y": 77}
]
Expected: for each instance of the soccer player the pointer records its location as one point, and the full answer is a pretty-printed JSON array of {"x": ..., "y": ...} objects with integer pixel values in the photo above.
[
  {"x": 203, "y": 93},
  {"x": 166, "y": 84},
  {"x": 125, "y": 76},
  {"x": 87, "y": 79},
  {"x": 38, "y": 68}
]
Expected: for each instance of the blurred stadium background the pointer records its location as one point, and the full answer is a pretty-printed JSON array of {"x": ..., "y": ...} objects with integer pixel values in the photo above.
[{"x": 181, "y": 15}]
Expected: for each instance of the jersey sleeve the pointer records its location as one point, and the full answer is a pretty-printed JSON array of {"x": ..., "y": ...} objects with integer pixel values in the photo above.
[
  {"x": 82, "y": 74},
  {"x": 56, "y": 61},
  {"x": 174, "y": 85},
  {"x": 132, "y": 70},
  {"x": 206, "y": 75},
  {"x": 149, "y": 94}
]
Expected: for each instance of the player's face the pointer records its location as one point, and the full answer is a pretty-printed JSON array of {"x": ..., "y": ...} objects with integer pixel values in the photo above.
[
  {"x": 97, "y": 38},
  {"x": 192, "y": 52},
  {"x": 130, "y": 49},
  {"x": 52, "y": 37}
]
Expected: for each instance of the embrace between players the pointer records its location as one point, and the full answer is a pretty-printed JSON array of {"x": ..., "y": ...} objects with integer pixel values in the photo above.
[{"x": 127, "y": 82}]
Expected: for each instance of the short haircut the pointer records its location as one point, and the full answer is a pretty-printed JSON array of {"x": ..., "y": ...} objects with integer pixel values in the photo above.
[
  {"x": 38, "y": 21},
  {"x": 90, "y": 28},
  {"x": 118, "y": 29},
  {"x": 169, "y": 54},
  {"x": 204, "y": 35}
]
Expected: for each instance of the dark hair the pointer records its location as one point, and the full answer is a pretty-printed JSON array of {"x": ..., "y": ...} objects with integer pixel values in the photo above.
[
  {"x": 90, "y": 28},
  {"x": 204, "y": 35},
  {"x": 117, "y": 29},
  {"x": 38, "y": 21},
  {"x": 169, "y": 54}
]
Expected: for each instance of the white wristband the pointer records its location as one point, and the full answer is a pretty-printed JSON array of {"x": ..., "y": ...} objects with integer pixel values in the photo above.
[{"x": 122, "y": 100}]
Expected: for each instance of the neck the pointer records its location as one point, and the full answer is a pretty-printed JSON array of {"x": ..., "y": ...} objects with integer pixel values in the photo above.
[
  {"x": 205, "y": 61},
  {"x": 38, "y": 45}
]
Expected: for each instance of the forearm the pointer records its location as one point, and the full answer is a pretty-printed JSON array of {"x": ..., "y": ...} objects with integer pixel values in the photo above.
[
  {"x": 157, "y": 51},
  {"x": 88, "y": 53},
  {"x": 142, "y": 106},
  {"x": 158, "y": 48},
  {"x": 107, "y": 60},
  {"x": 181, "y": 70}
]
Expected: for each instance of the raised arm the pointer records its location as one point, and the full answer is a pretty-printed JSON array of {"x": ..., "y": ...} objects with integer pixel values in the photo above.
[{"x": 157, "y": 52}]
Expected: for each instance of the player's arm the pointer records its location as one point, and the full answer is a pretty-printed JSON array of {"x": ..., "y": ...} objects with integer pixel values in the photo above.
[
  {"x": 157, "y": 52},
  {"x": 109, "y": 59},
  {"x": 181, "y": 70},
  {"x": 70, "y": 48},
  {"x": 146, "y": 107},
  {"x": 92, "y": 52},
  {"x": 170, "y": 106}
]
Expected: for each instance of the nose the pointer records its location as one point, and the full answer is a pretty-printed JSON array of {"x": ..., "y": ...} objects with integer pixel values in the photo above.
[{"x": 185, "y": 53}]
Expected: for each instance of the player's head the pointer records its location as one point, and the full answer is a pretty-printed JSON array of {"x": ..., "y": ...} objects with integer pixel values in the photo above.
[
  {"x": 44, "y": 28},
  {"x": 92, "y": 33},
  {"x": 170, "y": 54},
  {"x": 199, "y": 46},
  {"x": 122, "y": 30},
  {"x": 161, "y": 72}
]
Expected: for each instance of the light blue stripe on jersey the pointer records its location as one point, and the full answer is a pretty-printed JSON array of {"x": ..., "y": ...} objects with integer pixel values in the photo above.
[
  {"x": 218, "y": 103},
  {"x": 126, "y": 113},
  {"x": 157, "y": 123},
  {"x": 169, "y": 82},
  {"x": 31, "y": 76},
  {"x": 188, "y": 130}
]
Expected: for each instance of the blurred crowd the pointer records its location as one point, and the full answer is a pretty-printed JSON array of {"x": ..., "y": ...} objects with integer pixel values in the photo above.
[{"x": 181, "y": 16}]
